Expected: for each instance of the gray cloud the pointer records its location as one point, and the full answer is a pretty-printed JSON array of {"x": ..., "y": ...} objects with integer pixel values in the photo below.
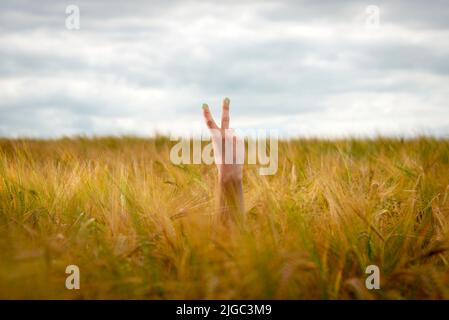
[{"x": 306, "y": 67}]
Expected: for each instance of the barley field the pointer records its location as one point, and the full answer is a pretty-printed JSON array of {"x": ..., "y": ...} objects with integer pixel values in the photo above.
[{"x": 139, "y": 227}]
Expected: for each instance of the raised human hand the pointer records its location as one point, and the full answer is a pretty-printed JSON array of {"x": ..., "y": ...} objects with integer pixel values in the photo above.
[{"x": 229, "y": 164}]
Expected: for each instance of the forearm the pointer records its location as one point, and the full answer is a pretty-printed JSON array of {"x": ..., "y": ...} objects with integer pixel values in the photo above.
[{"x": 231, "y": 198}]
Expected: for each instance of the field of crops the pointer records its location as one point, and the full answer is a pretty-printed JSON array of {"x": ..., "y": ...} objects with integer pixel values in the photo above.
[{"x": 138, "y": 226}]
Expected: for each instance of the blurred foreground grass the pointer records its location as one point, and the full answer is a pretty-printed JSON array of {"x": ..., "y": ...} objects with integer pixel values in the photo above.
[{"x": 141, "y": 227}]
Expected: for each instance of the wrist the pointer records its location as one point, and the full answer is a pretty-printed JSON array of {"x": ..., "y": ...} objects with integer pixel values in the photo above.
[{"x": 229, "y": 179}]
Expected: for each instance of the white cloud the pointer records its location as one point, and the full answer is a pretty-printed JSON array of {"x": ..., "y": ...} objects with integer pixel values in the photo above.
[{"x": 307, "y": 69}]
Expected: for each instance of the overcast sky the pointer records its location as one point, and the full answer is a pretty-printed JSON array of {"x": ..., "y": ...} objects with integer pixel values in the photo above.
[{"x": 308, "y": 68}]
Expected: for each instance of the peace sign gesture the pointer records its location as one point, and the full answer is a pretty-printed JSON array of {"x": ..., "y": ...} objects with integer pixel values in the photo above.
[
  {"x": 224, "y": 116},
  {"x": 229, "y": 164}
]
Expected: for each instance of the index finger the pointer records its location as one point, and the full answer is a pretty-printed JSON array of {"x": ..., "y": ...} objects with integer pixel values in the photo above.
[{"x": 208, "y": 117}]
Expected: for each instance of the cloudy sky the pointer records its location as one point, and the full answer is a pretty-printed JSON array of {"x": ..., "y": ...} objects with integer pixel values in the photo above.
[{"x": 307, "y": 68}]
